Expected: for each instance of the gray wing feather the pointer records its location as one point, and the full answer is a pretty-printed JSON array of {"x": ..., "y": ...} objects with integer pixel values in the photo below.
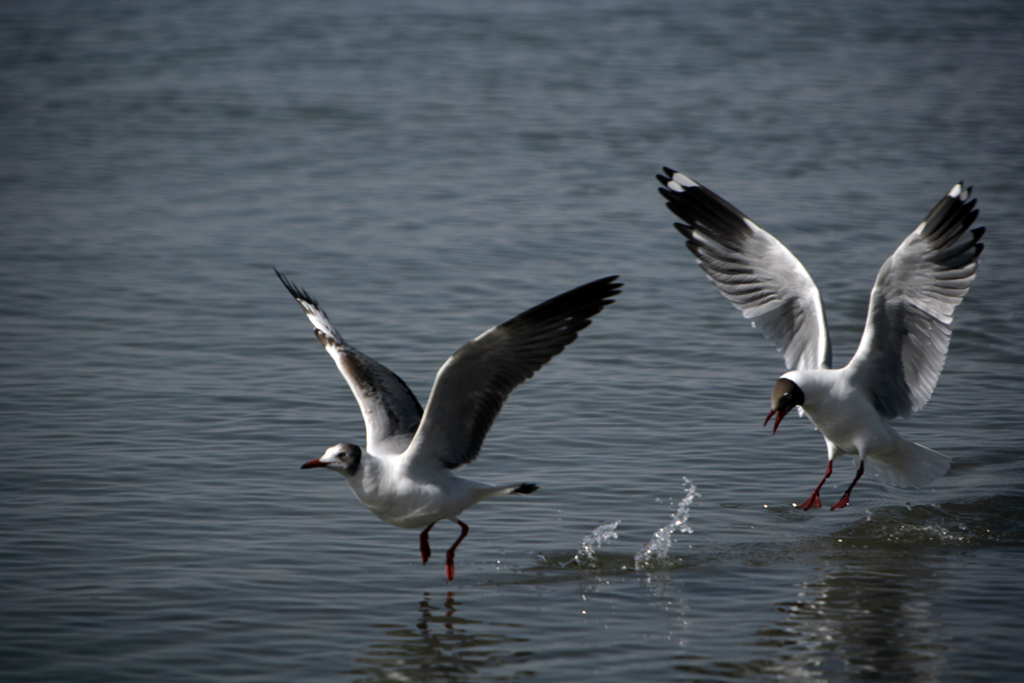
[
  {"x": 753, "y": 270},
  {"x": 905, "y": 340},
  {"x": 474, "y": 382},
  {"x": 390, "y": 409}
]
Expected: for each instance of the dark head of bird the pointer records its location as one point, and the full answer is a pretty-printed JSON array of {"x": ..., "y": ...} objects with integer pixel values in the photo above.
[{"x": 785, "y": 396}]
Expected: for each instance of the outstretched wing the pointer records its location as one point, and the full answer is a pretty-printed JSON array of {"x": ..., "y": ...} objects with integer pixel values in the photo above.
[
  {"x": 910, "y": 315},
  {"x": 753, "y": 270},
  {"x": 390, "y": 410},
  {"x": 473, "y": 383}
]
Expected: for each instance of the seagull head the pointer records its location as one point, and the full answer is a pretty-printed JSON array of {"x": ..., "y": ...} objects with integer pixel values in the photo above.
[
  {"x": 342, "y": 457},
  {"x": 785, "y": 396}
]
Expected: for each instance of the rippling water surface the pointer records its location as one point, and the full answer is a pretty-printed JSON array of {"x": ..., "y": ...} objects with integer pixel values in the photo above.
[{"x": 428, "y": 170}]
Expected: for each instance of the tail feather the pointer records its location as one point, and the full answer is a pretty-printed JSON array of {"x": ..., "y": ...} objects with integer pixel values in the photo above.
[
  {"x": 486, "y": 491},
  {"x": 909, "y": 464}
]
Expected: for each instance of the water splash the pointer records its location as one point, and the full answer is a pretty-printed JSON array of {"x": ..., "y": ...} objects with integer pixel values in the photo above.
[
  {"x": 656, "y": 550},
  {"x": 586, "y": 556}
]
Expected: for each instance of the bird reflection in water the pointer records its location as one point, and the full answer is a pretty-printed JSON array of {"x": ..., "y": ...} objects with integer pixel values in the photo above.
[
  {"x": 860, "y": 620},
  {"x": 441, "y": 647}
]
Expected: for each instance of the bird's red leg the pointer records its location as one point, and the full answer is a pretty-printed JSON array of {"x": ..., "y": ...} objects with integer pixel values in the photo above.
[
  {"x": 814, "y": 500},
  {"x": 449, "y": 558},
  {"x": 424, "y": 543},
  {"x": 841, "y": 503}
]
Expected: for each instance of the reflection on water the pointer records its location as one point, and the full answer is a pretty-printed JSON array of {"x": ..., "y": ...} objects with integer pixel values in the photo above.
[
  {"x": 439, "y": 647},
  {"x": 860, "y": 619},
  {"x": 670, "y": 595},
  {"x": 876, "y": 609}
]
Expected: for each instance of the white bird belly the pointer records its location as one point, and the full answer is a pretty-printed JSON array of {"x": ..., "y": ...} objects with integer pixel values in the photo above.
[
  {"x": 844, "y": 415},
  {"x": 407, "y": 504},
  {"x": 412, "y": 502},
  {"x": 855, "y": 432}
]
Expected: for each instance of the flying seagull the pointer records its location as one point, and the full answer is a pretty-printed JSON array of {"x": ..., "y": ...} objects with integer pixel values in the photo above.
[
  {"x": 405, "y": 475},
  {"x": 903, "y": 346}
]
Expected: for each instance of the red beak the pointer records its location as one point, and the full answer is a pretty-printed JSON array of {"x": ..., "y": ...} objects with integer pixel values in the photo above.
[
  {"x": 312, "y": 463},
  {"x": 779, "y": 414}
]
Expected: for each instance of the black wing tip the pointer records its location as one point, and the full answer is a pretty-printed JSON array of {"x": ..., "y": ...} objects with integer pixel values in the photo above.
[
  {"x": 525, "y": 488},
  {"x": 573, "y": 309},
  {"x": 963, "y": 198},
  {"x": 611, "y": 282},
  {"x": 607, "y": 288},
  {"x": 296, "y": 291},
  {"x": 703, "y": 211},
  {"x": 669, "y": 195},
  {"x": 666, "y": 174},
  {"x": 951, "y": 218},
  {"x": 686, "y": 230},
  {"x": 602, "y": 288},
  {"x": 669, "y": 175},
  {"x": 976, "y": 243}
]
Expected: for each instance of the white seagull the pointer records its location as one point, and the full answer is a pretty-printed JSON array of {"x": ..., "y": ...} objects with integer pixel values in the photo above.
[
  {"x": 903, "y": 346},
  {"x": 405, "y": 475}
]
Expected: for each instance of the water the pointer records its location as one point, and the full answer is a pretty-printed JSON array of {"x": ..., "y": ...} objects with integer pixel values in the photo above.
[
  {"x": 586, "y": 556},
  {"x": 656, "y": 552},
  {"x": 427, "y": 171}
]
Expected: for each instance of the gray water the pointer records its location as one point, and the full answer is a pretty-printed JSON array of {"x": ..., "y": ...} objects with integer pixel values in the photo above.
[{"x": 427, "y": 170}]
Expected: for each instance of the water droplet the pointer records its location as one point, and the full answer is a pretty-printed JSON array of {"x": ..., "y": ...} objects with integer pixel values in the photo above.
[
  {"x": 657, "y": 548},
  {"x": 586, "y": 556}
]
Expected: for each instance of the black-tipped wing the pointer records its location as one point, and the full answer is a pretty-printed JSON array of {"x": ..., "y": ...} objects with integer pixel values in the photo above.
[
  {"x": 910, "y": 316},
  {"x": 473, "y": 383},
  {"x": 753, "y": 270},
  {"x": 390, "y": 410}
]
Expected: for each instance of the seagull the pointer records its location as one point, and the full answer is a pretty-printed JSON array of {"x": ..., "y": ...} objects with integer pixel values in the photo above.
[
  {"x": 903, "y": 346},
  {"x": 405, "y": 474}
]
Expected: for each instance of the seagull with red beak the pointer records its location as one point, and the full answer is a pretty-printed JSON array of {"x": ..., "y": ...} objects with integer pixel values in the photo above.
[
  {"x": 903, "y": 346},
  {"x": 406, "y": 475}
]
